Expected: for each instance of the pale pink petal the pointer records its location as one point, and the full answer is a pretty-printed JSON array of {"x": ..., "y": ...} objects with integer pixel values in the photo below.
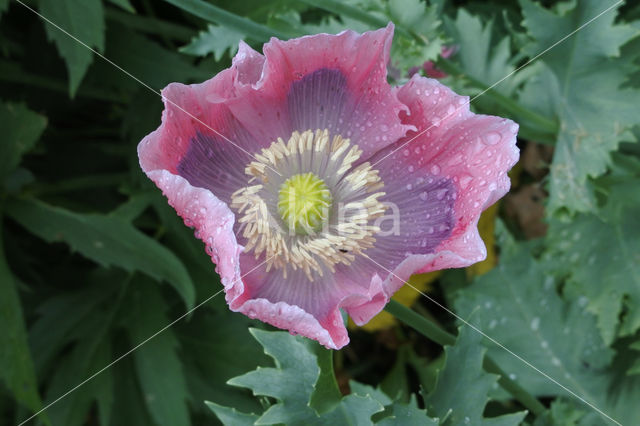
[
  {"x": 475, "y": 151},
  {"x": 211, "y": 218}
]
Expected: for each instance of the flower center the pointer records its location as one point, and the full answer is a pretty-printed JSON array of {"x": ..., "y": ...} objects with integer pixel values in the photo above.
[
  {"x": 306, "y": 206},
  {"x": 303, "y": 203}
]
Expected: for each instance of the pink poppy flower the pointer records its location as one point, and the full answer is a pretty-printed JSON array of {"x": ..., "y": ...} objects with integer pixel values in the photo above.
[{"x": 316, "y": 186}]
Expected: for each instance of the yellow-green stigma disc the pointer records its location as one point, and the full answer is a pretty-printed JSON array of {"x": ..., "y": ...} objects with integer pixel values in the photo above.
[{"x": 303, "y": 203}]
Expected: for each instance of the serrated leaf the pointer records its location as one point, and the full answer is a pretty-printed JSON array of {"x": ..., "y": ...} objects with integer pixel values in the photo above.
[
  {"x": 143, "y": 57},
  {"x": 83, "y": 19},
  {"x": 589, "y": 130},
  {"x": 21, "y": 129},
  {"x": 561, "y": 412},
  {"x": 231, "y": 416},
  {"x": 216, "y": 40},
  {"x": 157, "y": 364},
  {"x": 292, "y": 382},
  {"x": 601, "y": 255},
  {"x": 461, "y": 394},
  {"x": 479, "y": 54},
  {"x": 517, "y": 304},
  {"x": 395, "y": 413},
  {"x": 398, "y": 414},
  {"x": 216, "y": 347},
  {"x": 107, "y": 240},
  {"x": 16, "y": 365}
]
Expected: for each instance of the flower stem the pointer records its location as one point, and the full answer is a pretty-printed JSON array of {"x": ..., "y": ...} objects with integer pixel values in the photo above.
[{"x": 433, "y": 332}]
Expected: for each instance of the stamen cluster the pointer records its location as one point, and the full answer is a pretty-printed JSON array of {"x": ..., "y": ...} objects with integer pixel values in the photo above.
[{"x": 310, "y": 207}]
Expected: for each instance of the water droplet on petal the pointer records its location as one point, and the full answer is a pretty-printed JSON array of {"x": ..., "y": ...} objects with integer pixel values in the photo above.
[
  {"x": 423, "y": 196},
  {"x": 440, "y": 193},
  {"x": 491, "y": 138},
  {"x": 435, "y": 169}
]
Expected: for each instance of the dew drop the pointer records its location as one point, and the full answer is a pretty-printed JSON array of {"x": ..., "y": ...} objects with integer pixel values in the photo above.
[
  {"x": 435, "y": 169},
  {"x": 423, "y": 196},
  {"x": 440, "y": 193},
  {"x": 535, "y": 323},
  {"x": 491, "y": 138}
]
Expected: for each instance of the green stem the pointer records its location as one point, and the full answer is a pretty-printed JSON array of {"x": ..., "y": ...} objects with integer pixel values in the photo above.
[
  {"x": 433, "y": 332},
  {"x": 420, "y": 324}
]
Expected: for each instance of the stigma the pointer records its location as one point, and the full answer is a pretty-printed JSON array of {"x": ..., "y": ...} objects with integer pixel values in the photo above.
[{"x": 307, "y": 205}]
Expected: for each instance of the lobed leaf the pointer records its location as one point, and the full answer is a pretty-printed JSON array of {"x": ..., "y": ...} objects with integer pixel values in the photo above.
[
  {"x": 105, "y": 239},
  {"x": 84, "y": 20}
]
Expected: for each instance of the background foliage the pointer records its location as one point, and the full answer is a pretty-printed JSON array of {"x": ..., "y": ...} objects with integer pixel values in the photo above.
[{"x": 93, "y": 261}]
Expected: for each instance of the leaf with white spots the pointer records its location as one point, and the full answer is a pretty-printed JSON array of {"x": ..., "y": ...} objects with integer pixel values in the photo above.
[
  {"x": 595, "y": 113},
  {"x": 607, "y": 282},
  {"x": 517, "y": 304},
  {"x": 461, "y": 393}
]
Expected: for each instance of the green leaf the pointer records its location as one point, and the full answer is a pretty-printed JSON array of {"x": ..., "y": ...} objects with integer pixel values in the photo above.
[
  {"x": 107, "y": 240},
  {"x": 229, "y": 20},
  {"x": 216, "y": 40},
  {"x": 600, "y": 253},
  {"x": 292, "y": 383},
  {"x": 635, "y": 368},
  {"x": 16, "y": 365},
  {"x": 212, "y": 354},
  {"x": 422, "y": 39},
  {"x": 561, "y": 412},
  {"x": 587, "y": 136},
  {"x": 124, "y": 4},
  {"x": 157, "y": 364},
  {"x": 462, "y": 393},
  {"x": 72, "y": 386},
  {"x": 21, "y": 129},
  {"x": 406, "y": 415},
  {"x": 480, "y": 55},
  {"x": 84, "y": 20},
  {"x": 231, "y": 416},
  {"x": 144, "y": 58},
  {"x": 326, "y": 393},
  {"x": 517, "y": 304}
]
